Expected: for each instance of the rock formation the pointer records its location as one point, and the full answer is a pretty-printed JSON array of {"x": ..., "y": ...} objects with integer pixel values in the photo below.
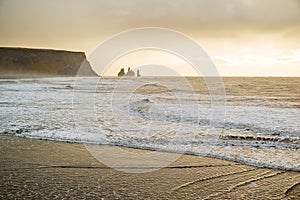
[
  {"x": 138, "y": 73},
  {"x": 121, "y": 72},
  {"x": 130, "y": 72},
  {"x": 29, "y": 63}
]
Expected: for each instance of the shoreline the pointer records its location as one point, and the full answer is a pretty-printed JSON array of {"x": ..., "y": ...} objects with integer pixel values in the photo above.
[
  {"x": 48, "y": 169},
  {"x": 158, "y": 150}
]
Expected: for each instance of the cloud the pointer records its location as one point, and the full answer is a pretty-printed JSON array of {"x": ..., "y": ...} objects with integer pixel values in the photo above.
[
  {"x": 225, "y": 27},
  {"x": 196, "y": 15},
  {"x": 191, "y": 15},
  {"x": 256, "y": 64}
]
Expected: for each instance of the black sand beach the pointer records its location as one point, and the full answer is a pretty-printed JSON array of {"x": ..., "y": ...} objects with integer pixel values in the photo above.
[{"x": 34, "y": 169}]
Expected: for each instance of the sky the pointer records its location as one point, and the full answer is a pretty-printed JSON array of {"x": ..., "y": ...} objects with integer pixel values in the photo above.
[{"x": 243, "y": 37}]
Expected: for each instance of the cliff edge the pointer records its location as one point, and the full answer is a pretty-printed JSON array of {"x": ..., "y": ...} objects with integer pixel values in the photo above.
[{"x": 31, "y": 63}]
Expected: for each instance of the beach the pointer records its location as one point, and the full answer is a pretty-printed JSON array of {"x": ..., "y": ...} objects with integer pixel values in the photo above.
[
  {"x": 36, "y": 169},
  {"x": 150, "y": 100},
  {"x": 58, "y": 139}
]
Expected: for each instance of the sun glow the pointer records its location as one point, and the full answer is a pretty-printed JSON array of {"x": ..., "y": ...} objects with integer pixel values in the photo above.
[{"x": 166, "y": 63}]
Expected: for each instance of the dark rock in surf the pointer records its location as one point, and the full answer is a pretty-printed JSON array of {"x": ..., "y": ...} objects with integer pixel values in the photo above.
[
  {"x": 121, "y": 72},
  {"x": 130, "y": 72},
  {"x": 138, "y": 73}
]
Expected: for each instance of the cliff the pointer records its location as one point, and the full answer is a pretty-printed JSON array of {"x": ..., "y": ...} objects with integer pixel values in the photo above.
[{"x": 27, "y": 63}]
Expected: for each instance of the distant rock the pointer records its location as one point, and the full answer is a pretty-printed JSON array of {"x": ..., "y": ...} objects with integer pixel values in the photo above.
[
  {"x": 30, "y": 63},
  {"x": 138, "y": 73},
  {"x": 121, "y": 72},
  {"x": 130, "y": 72}
]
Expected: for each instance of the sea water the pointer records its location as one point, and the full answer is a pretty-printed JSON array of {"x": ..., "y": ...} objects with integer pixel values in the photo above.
[{"x": 257, "y": 121}]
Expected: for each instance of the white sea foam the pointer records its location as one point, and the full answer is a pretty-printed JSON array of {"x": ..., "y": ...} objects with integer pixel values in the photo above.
[{"x": 255, "y": 130}]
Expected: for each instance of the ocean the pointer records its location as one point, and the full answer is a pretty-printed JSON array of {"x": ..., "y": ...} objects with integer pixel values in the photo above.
[{"x": 255, "y": 122}]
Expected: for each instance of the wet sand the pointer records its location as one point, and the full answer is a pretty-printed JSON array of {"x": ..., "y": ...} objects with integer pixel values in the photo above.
[{"x": 34, "y": 169}]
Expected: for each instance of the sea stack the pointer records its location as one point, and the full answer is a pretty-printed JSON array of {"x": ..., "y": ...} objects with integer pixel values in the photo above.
[
  {"x": 138, "y": 73},
  {"x": 121, "y": 72},
  {"x": 129, "y": 73}
]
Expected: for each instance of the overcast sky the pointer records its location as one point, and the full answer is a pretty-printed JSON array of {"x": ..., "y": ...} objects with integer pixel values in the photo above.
[{"x": 243, "y": 37}]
